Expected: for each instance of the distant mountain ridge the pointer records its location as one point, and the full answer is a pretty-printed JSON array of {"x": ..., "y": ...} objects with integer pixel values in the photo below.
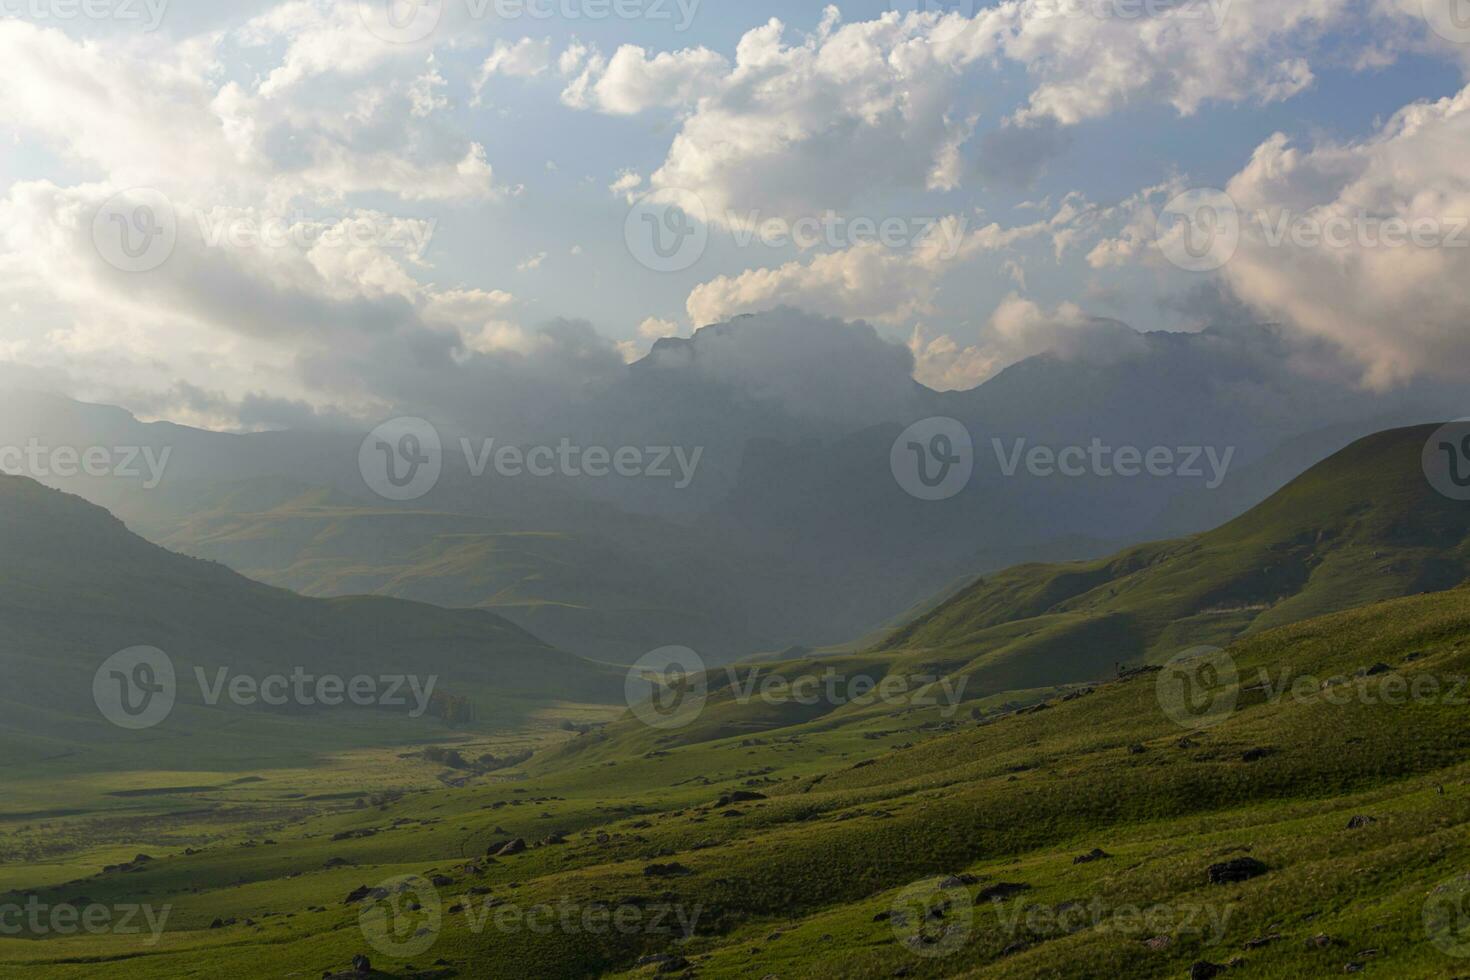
[{"x": 76, "y": 587}]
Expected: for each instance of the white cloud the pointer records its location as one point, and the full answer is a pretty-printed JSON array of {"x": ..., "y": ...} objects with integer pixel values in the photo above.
[
  {"x": 526, "y": 58},
  {"x": 531, "y": 262},
  {"x": 627, "y": 184},
  {"x": 632, "y": 82},
  {"x": 1399, "y": 308},
  {"x": 796, "y": 127}
]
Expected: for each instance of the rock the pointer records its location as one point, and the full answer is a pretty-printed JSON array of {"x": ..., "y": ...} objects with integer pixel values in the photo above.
[
  {"x": 958, "y": 881},
  {"x": 511, "y": 847},
  {"x": 335, "y": 862},
  {"x": 1004, "y": 889},
  {"x": 1203, "y": 970},
  {"x": 1375, "y": 670},
  {"x": 1096, "y": 854},
  {"x": 362, "y": 964},
  {"x": 1256, "y": 754},
  {"x": 1359, "y": 822},
  {"x": 1236, "y": 870},
  {"x": 1136, "y": 750},
  {"x": 1159, "y": 942},
  {"x": 739, "y": 796},
  {"x": 441, "y": 881}
]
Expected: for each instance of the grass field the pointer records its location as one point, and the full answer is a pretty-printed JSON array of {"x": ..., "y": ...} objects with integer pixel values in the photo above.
[{"x": 817, "y": 877}]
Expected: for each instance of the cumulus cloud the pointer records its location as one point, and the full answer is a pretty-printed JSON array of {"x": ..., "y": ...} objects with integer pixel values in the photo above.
[
  {"x": 1389, "y": 278},
  {"x": 1019, "y": 328},
  {"x": 632, "y": 81},
  {"x": 868, "y": 280},
  {"x": 799, "y": 125},
  {"x": 525, "y": 58}
]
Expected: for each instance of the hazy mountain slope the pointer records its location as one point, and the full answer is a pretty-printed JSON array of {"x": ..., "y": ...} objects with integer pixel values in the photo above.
[
  {"x": 616, "y": 595},
  {"x": 76, "y": 587},
  {"x": 1362, "y": 526}
]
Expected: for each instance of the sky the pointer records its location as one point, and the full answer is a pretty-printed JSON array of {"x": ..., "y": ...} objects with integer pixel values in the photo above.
[{"x": 269, "y": 214}]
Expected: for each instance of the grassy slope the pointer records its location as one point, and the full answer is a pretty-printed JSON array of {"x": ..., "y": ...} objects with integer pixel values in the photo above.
[
  {"x": 1012, "y": 800},
  {"x": 1363, "y": 525},
  {"x": 606, "y": 598},
  {"x": 76, "y": 587}
]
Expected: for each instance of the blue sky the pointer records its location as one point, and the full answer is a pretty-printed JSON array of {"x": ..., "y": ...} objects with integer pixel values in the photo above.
[{"x": 1046, "y": 138}]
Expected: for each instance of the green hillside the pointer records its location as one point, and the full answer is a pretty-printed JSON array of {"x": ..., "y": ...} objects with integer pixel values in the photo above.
[
  {"x": 76, "y": 587},
  {"x": 612, "y": 594},
  {"x": 1361, "y": 526},
  {"x": 1348, "y": 815}
]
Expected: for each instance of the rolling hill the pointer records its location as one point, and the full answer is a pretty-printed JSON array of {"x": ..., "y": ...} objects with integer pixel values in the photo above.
[
  {"x": 1362, "y": 526},
  {"x": 76, "y": 587}
]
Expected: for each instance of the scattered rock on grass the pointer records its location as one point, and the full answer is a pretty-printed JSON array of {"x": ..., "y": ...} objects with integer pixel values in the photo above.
[{"x": 1236, "y": 870}]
